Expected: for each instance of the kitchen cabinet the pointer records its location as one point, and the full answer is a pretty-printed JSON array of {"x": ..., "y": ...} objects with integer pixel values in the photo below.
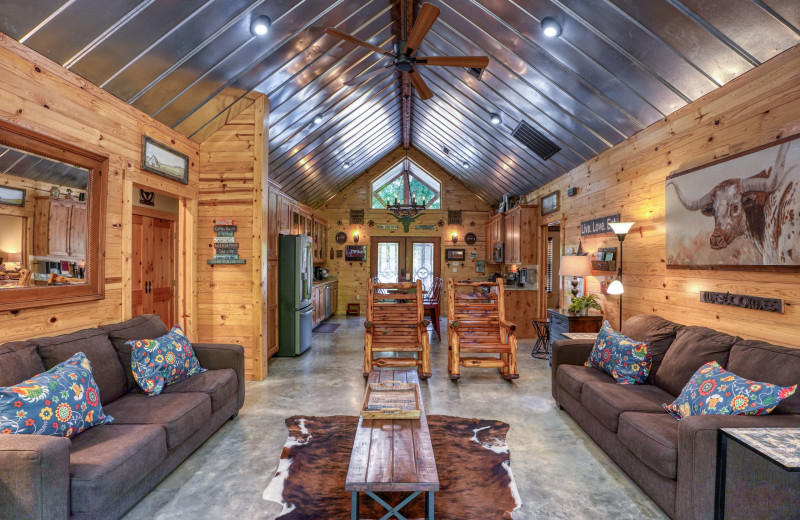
[
  {"x": 320, "y": 240},
  {"x": 272, "y": 224},
  {"x": 302, "y": 221},
  {"x": 495, "y": 234},
  {"x": 318, "y": 303},
  {"x": 60, "y": 228},
  {"x": 272, "y": 308},
  {"x": 521, "y": 232},
  {"x": 334, "y": 297},
  {"x": 284, "y": 215}
]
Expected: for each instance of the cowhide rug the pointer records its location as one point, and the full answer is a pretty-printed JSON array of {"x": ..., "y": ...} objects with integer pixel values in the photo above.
[{"x": 472, "y": 458}]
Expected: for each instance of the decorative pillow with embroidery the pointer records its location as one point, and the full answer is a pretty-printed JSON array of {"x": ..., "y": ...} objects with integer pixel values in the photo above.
[
  {"x": 628, "y": 361},
  {"x": 712, "y": 390},
  {"x": 159, "y": 362},
  {"x": 64, "y": 401}
]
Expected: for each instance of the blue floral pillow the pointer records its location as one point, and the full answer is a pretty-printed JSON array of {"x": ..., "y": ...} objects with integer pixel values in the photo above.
[
  {"x": 712, "y": 390},
  {"x": 159, "y": 362},
  {"x": 64, "y": 401},
  {"x": 627, "y": 360}
]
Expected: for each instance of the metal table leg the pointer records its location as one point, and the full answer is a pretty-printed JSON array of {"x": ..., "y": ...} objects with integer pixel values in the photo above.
[
  {"x": 354, "y": 506},
  {"x": 429, "y": 505}
]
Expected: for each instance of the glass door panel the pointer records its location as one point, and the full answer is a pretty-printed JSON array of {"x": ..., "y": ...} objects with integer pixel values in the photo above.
[
  {"x": 422, "y": 264},
  {"x": 388, "y": 262}
]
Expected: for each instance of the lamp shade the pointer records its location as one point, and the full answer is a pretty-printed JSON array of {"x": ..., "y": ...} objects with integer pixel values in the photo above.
[
  {"x": 621, "y": 228},
  {"x": 615, "y": 287},
  {"x": 574, "y": 265},
  {"x": 13, "y": 257}
]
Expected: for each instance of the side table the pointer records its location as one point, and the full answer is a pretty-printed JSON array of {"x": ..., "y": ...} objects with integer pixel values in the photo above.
[
  {"x": 562, "y": 321},
  {"x": 781, "y": 446}
]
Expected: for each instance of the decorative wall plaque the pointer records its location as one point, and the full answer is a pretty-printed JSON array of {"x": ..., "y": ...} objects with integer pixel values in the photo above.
[
  {"x": 741, "y": 300},
  {"x": 147, "y": 198},
  {"x": 598, "y": 226},
  {"x": 470, "y": 238},
  {"x": 225, "y": 245},
  {"x": 387, "y": 226},
  {"x": 424, "y": 227},
  {"x": 454, "y": 217},
  {"x": 341, "y": 237},
  {"x": 356, "y": 216}
]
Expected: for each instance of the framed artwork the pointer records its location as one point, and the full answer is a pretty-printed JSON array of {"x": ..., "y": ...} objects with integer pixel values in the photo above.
[
  {"x": 550, "y": 203},
  {"x": 161, "y": 159},
  {"x": 355, "y": 253},
  {"x": 455, "y": 255},
  {"x": 12, "y": 196},
  {"x": 739, "y": 213}
]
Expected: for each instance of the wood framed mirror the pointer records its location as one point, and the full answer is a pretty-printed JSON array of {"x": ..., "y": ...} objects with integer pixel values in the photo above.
[{"x": 52, "y": 220}]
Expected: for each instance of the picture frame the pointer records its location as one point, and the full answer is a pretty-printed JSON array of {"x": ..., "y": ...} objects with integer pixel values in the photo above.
[
  {"x": 455, "y": 255},
  {"x": 162, "y": 160},
  {"x": 760, "y": 232},
  {"x": 355, "y": 253},
  {"x": 549, "y": 203},
  {"x": 12, "y": 196}
]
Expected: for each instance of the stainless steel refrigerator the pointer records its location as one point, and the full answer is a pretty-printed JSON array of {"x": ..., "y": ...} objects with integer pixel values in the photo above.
[{"x": 295, "y": 266}]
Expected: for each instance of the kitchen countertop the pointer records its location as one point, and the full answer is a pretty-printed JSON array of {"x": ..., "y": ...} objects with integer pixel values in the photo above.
[
  {"x": 526, "y": 287},
  {"x": 329, "y": 279}
]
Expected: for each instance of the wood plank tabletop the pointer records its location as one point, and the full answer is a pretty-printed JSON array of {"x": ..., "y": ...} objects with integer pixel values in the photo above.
[{"x": 396, "y": 454}]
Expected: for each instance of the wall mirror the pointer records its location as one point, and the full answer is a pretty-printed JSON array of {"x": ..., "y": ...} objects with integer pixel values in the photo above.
[{"x": 52, "y": 220}]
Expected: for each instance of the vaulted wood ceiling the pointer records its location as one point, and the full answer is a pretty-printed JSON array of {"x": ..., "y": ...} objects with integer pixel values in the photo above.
[{"x": 617, "y": 67}]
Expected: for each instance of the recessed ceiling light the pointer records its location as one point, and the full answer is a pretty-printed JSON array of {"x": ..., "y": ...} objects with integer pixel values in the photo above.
[
  {"x": 465, "y": 164},
  {"x": 496, "y": 119},
  {"x": 318, "y": 118},
  {"x": 346, "y": 165},
  {"x": 259, "y": 26},
  {"x": 551, "y": 28}
]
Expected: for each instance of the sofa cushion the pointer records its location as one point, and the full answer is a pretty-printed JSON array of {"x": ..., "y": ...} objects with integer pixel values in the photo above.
[
  {"x": 106, "y": 368},
  {"x": 693, "y": 347},
  {"x": 220, "y": 385},
  {"x": 572, "y": 378},
  {"x": 181, "y": 414},
  {"x": 653, "y": 438},
  {"x": 606, "y": 402},
  {"x": 658, "y": 332},
  {"x": 627, "y": 361},
  {"x": 106, "y": 461},
  {"x": 761, "y": 361},
  {"x": 163, "y": 361},
  {"x": 19, "y": 361},
  {"x": 713, "y": 390},
  {"x": 145, "y": 326}
]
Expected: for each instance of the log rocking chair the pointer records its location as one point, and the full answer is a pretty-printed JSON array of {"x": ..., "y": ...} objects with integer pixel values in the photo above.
[
  {"x": 477, "y": 325},
  {"x": 396, "y": 323}
]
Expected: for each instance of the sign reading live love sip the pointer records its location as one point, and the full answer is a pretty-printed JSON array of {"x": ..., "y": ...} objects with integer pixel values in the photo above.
[{"x": 598, "y": 226}]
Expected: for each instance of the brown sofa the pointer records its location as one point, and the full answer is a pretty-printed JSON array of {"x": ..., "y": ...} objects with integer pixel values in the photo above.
[
  {"x": 674, "y": 462},
  {"x": 102, "y": 472}
]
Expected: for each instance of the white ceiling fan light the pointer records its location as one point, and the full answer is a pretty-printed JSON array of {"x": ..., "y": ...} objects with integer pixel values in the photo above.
[
  {"x": 259, "y": 25},
  {"x": 551, "y": 28}
]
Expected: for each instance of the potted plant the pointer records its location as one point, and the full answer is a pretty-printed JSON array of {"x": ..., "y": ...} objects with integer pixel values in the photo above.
[{"x": 581, "y": 304}]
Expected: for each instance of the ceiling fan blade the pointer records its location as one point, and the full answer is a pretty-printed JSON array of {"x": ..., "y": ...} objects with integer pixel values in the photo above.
[
  {"x": 419, "y": 84},
  {"x": 427, "y": 16},
  {"x": 469, "y": 62},
  {"x": 352, "y": 82},
  {"x": 352, "y": 39}
]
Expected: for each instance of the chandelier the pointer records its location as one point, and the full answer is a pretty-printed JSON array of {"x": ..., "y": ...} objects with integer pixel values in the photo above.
[{"x": 401, "y": 210}]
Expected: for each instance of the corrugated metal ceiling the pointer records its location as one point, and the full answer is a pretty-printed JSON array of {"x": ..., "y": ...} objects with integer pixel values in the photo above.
[{"x": 618, "y": 66}]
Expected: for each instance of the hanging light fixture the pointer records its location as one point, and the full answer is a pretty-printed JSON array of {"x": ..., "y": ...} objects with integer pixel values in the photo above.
[{"x": 401, "y": 209}]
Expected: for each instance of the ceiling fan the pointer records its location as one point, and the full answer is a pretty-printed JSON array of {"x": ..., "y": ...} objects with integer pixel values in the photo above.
[{"x": 404, "y": 55}]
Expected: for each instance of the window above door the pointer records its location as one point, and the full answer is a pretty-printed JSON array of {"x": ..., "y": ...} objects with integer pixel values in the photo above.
[{"x": 406, "y": 184}]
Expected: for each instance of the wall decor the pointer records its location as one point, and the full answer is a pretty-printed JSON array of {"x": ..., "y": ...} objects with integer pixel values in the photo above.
[
  {"x": 473, "y": 255},
  {"x": 356, "y": 216},
  {"x": 331, "y": 253},
  {"x": 471, "y": 223},
  {"x": 758, "y": 303},
  {"x": 339, "y": 253},
  {"x": 455, "y": 255},
  {"x": 454, "y": 217},
  {"x": 480, "y": 266},
  {"x": 341, "y": 237},
  {"x": 407, "y": 221},
  {"x": 355, "y": 253},
  {"x": 161, "y": 159},
  {"x": 388, "y": 226},
  {"x": 225, "y": 245},
  {"x": 598, "y": 226},
  {"x": 424, "y": 227},
  {"x": 370, "y": 223},
  {"x": 440, "y": 223},
  {"x": 741, "y": 212},
  {"x": 12, "y": 196},
  {"x": 148, "y": 198},
  {"x": 470, "y": 238},
  {"x": 550, "y": 203}
]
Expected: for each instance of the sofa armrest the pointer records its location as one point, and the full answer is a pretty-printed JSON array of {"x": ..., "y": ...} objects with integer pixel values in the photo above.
[
  {"x": 215, "y": 356},
  {"x": 697, "y": 457},
  {"x": 34, "y": 477},
  {"x": 568, "y": 352}
]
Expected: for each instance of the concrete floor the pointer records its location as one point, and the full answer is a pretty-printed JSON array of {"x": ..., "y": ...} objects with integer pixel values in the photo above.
[{"x": 559, "y": 471}]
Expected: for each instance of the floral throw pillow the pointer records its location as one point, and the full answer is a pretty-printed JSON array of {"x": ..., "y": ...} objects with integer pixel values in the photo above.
[
  {"x": 64, "y": 401},
  {"x": 159, "y": 362},
  {"x": 628, "y": 361},
  {"x": 712, "y": 390}
]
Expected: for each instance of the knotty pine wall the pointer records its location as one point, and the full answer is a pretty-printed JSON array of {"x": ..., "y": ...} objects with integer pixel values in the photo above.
[
  {"x": 39, "y": 94},
  {"x": 752, "y": 110},
  {"x": 233, "y": 177},
  {"x": 455, "y": 196}
]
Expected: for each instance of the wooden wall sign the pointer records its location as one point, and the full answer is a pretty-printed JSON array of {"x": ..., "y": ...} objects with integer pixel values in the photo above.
[
  {"x": 225, "y": 245},
  {"x": 387, "y": 226},
  {"x": 740, "y": 300},
  {"x": 425, "y": 227},
  {"x": 598, "y": 226}
]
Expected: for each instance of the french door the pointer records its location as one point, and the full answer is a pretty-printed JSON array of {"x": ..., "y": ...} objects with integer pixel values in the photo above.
[{"x": 394, "y": 259}]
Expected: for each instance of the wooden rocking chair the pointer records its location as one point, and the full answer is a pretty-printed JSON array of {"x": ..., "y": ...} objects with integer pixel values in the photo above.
[
  {"x": 396, "y": 323},
  {"x": 477, "y": 325}
]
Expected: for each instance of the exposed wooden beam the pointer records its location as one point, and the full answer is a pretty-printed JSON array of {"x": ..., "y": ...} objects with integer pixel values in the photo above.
[{"x": 405, "y": 82}]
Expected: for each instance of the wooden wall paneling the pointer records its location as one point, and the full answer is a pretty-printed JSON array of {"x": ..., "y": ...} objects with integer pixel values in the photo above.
[
  {"x": 42, "y": 96},
  {"x": 752, "y": 110},
  {"x": 261, "y": 229}
]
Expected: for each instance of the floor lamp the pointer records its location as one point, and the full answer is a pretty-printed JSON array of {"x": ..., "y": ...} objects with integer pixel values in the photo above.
[{"x": 620, "y": 229}]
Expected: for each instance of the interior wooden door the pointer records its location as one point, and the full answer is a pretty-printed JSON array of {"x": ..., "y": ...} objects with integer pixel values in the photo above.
[
  {"x": 396, "y": 258},
  {"x": 153, "y": 274}
]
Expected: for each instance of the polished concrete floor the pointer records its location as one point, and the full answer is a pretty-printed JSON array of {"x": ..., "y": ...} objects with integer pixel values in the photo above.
[{"x": 559, "y": 471}]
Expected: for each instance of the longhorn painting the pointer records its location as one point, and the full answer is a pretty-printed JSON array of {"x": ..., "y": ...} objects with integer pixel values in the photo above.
[{"x": 740, "y": 213}]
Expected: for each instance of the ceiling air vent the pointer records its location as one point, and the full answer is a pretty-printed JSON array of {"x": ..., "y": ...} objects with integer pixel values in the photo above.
[
  {"x": 475, "y": 73},
  {"x": 535, "y": 140}
]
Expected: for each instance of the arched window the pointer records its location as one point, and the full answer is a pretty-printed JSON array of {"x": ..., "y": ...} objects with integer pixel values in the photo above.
[{"x": 405, "y": 185}]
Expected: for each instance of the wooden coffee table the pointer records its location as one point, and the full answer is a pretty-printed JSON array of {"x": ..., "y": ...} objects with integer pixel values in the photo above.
[{"x": 393, "y": 455}]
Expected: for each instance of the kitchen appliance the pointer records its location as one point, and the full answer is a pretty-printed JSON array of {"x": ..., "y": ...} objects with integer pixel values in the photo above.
[
  {"x": 498, "y": 253},
  {"x": 320, "y": 273},
  {"x": 294, "y": 294},
  {"x": 511, "y": 278}
]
